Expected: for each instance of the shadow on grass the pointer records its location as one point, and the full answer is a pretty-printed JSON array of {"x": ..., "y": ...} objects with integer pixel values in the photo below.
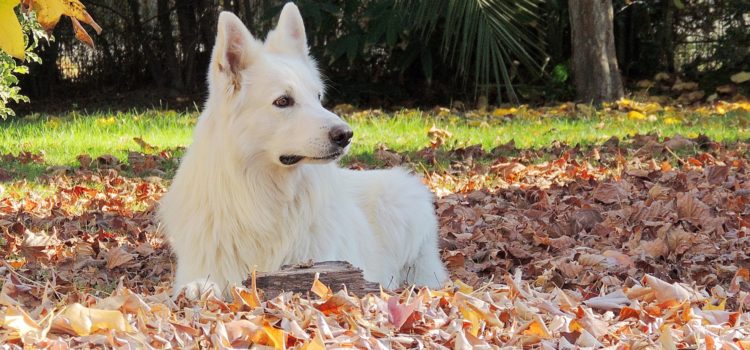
[
  {"x": 675, "y": 150},
  {"x": 438, "y": 159},
  {"x": 12, "y": 171}
]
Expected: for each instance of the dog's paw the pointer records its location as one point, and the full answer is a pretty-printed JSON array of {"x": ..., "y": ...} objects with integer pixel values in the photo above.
[{"x": 195, "y": 289}]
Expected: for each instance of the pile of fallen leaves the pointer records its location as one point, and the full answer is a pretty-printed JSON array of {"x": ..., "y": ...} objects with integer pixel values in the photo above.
[
  {"x": 648, "y": 313},
  {"x": 637, "y": 243}
]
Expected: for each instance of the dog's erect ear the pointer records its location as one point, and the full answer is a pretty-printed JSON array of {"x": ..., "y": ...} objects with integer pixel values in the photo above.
[
  {"x": 233, "y": 50},
  {"x": 289, "y": 35}
]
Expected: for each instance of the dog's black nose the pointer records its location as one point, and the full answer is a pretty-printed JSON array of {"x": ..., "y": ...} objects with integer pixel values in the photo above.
[{"x": 341, "y": 135}]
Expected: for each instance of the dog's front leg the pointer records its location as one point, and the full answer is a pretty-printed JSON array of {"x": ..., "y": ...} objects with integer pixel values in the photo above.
[
  {"x": 195, "y": 282},
  {"x": 196, "y": 288}
]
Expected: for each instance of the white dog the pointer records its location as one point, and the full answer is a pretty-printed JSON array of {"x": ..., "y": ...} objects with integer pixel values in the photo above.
[{"x": 259, "y": 187}]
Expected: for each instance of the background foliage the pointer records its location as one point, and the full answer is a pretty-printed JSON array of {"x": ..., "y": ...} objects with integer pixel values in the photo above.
[
  {"x": 11, "y": 69},
  {"x": 392, "y": 52}
]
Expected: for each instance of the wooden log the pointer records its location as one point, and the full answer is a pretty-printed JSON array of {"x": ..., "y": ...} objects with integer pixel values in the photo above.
[{"x": 337, "y": 275}]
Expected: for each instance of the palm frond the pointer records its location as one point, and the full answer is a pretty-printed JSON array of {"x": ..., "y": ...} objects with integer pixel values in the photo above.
[{"x": 481, "y": 38}]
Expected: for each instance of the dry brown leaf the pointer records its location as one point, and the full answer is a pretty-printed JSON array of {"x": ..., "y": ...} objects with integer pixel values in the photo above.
[
  {"x": 612, "y": 192},
  {"x": 658, "y": 192},
  {"x": 388, "y": 157},
  {"x": 678, "y": 142},
  {"x": 571, "y": 270},
  {"x": 118, "y": 257},
  {"x": 591, "y": 259},
  {"x": 654, "y": 249},
  {"x": 692, "y": 209},
  {"x": 618, "y": 259}
]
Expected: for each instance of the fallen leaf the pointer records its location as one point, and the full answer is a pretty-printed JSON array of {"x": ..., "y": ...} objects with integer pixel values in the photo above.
[
  {"x": 117, "y": 257},
  {"x": 399, "y": 313},
  {"x": 19, "y": 321},
  {"x": 740, "y": 77},
  {"x": 666, "y": 292},
  {"x": 635, "y": 115},
  {"x": 78, "y": 320},
  {"x": 611, "y": 193}
]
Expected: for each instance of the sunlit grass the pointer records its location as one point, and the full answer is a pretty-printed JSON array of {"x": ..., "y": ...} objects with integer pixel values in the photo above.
[{"x": 63, "y": 137}]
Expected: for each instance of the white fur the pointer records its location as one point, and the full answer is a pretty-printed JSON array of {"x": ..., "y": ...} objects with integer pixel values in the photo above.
[{"x": 234, "y": 207}]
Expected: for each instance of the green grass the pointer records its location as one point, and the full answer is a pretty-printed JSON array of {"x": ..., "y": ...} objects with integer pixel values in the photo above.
[
  {"x": 408, "y": 132},
  {"x": 63, "y": 137}
]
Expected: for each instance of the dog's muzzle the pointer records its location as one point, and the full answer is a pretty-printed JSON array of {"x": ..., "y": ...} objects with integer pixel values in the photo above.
[{"x": 340, "y": 137}]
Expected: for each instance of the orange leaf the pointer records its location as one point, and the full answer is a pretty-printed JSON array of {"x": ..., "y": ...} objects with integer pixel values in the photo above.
[
  {"x": 742, "y": 275},
  {"x": 628, "y": 312},
  {"x": 665, "y": 166},
  {"x": 48, "y": 13},
  {"x": 81, "y": 33},
  {"x": 575, "y": 326},
  {"x": 17, "y": 264},
  {"x": 320, "y": 289},
  {"x": 710, "y": 343},
  {"x": 336, "y": 304},
  {"x": 473, "y": 317},
  {"x": 538, "y": 329},
  {"x": 276, "y": 336},
  {"x": 245, "y": 299},
  {"x": 314, "y": 344},
  {"x": 686, "y": 315},
  {"x": 694, "y": 161}
]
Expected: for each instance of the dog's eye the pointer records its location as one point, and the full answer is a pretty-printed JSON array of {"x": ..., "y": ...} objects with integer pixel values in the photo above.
[
  {"x": 283, "y": 102},
  {"x": 320, "y": 96}
]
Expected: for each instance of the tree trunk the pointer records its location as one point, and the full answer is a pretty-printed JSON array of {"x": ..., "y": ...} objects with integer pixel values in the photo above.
[
  {"x": 246, "y": 12},
  {"x": 151, "y": 62},
  {"x": 595, "y": 72},
  {"x": 188, "y": 25},
  {"x": 168, "y": 48},
  {"x": 207, "y": 15},
  {"x": 667, "y": 47}
]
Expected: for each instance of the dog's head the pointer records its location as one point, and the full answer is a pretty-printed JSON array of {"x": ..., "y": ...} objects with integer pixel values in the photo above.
[{"x": 268, "y": 94}]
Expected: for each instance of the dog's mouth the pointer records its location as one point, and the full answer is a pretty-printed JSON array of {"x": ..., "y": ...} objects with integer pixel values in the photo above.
[{"x": 291, "y": 159}]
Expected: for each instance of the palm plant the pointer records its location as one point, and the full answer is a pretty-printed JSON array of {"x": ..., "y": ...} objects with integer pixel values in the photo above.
[{"x": 482, "y": 38}]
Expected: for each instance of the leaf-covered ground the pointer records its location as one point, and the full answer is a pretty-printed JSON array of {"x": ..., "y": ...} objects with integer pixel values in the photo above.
[{"x": 642, "y": 242}]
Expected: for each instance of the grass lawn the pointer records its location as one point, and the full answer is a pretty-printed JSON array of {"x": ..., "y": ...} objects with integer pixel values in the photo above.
[{"x": 63, "y": 137}]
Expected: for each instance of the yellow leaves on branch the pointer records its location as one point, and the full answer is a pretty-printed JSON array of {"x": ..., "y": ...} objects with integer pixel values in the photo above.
[
  {"x": 48, "y": 13},
  {"x": 11, "y": 36}
]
